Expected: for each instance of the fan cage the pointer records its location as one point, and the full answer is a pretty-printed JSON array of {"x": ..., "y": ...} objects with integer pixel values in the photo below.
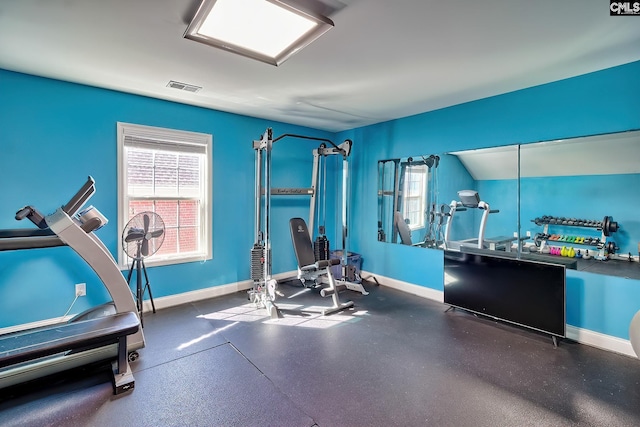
[{"x": 143, "y": 235}]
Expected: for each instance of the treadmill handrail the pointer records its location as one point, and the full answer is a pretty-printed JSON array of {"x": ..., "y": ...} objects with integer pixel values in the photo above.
[
  {"x": 11, "y": 233},
  {"x": 81, "y": 197},
  {"x": 38, "y": 242},
  {"x": 33, "y": 215},
  {"x": 23, "y": 238}
]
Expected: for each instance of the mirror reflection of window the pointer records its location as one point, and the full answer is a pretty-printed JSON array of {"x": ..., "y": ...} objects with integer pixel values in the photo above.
[{"x": 414, "y": 191}]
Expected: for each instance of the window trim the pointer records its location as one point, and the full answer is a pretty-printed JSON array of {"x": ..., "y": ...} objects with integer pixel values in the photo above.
[
  {"x": 168, "y": 137},
  {"x": 424, "y": 171}
]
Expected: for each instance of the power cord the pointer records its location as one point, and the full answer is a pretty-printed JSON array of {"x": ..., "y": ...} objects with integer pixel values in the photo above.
[{"x": 70, "y": 307}]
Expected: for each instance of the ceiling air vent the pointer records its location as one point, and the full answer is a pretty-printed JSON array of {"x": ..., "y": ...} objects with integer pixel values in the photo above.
[{"x": 183, "y": 86}]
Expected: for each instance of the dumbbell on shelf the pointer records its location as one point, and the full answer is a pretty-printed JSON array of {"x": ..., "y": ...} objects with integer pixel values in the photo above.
[{"x": 607, "y": 225}]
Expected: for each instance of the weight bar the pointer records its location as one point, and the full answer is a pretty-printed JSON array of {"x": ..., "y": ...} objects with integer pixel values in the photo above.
[{"x": 607, "y": 225}]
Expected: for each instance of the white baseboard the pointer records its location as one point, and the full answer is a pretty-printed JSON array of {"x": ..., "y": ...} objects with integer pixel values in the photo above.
[
  {"x": 409, "y": 288},
  {"x": 212, "y": 292},
  {"x": 198, "y": 295},
  {"x": 583, "y": 336},
  {"x": 602, "y": 341}
]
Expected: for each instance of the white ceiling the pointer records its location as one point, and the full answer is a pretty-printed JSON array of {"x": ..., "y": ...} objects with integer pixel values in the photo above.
[{"x": 383, "y": 60}]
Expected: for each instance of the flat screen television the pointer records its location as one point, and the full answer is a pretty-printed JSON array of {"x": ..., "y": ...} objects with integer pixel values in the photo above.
[{"x": 527, "y": 293}]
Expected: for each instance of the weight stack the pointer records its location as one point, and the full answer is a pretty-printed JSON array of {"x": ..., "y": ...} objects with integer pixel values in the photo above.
[
  {"x": 321, "y": 248},
  {"x": 257, "y": 262}
]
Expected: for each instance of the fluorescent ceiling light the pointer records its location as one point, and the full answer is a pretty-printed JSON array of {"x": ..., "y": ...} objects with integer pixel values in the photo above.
[{"x": 267, "y": 30}]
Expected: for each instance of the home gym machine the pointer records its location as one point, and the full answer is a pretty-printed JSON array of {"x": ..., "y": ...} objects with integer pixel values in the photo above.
[
  {"x": 388, "y": 199},
  {"x": 263, "y": 292},
  {"x": 108, "y": 332},
  {"x": 433, "y": 236},
  {"x": 469, "y": 199}
]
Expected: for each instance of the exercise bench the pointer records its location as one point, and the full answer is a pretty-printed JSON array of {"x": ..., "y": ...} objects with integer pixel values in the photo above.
[
  {"x": 310, "y": 269},
  {"x": 71, "y": 338}
]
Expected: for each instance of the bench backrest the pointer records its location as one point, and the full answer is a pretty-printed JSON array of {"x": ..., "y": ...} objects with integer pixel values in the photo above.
[{"x": 301, "y": 239}]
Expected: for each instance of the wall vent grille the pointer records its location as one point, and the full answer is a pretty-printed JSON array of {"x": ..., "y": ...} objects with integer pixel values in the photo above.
[{"x": 183, "y": 86}]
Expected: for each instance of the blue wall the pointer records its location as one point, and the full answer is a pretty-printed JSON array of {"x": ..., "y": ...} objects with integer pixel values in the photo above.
[
  {"x": 595, "y": 103},
  {"x": 601, "y": 303},
  {"x": 55, "y": 134}
]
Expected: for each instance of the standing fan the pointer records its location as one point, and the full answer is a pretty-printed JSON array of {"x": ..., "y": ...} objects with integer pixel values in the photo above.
[{"x": 142, "y": 237}]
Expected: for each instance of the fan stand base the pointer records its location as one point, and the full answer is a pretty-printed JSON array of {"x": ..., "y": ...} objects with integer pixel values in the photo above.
[{"x": 138, "y": 265}]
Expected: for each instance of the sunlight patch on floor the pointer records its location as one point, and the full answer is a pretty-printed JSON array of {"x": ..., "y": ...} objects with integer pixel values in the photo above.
[
  {"x": 290, "y": 315},
  {"x": 205, "y": 336}
]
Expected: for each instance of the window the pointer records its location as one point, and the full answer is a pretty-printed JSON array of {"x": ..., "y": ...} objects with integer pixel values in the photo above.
[
  {"x": 167, "y": 172},
  {"x": 414, "y": 191}
]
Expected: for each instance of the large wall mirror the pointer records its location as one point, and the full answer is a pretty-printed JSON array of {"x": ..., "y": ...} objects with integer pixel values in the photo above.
[
  {"x": 582, "y": 194},
  {"x": 575, "y": 199},
  {"x": 449, "y": 200}
]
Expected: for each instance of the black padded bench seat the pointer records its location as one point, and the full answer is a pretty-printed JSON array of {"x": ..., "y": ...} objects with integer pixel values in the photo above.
[{"x": 83, "y": 335}]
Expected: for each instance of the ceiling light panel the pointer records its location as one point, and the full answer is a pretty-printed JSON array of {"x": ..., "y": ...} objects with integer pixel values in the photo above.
[{"x": 267, "y": 30}]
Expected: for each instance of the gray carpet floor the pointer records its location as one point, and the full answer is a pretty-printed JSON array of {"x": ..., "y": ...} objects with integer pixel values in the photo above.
[{"x": 394, "y": 359}]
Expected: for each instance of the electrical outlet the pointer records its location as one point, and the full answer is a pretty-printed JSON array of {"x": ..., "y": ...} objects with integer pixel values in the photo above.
[{"x": 81, "y": 289}]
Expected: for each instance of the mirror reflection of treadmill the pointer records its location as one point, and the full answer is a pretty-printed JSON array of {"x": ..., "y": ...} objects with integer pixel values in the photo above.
[{"x": 470, "y": 199}]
